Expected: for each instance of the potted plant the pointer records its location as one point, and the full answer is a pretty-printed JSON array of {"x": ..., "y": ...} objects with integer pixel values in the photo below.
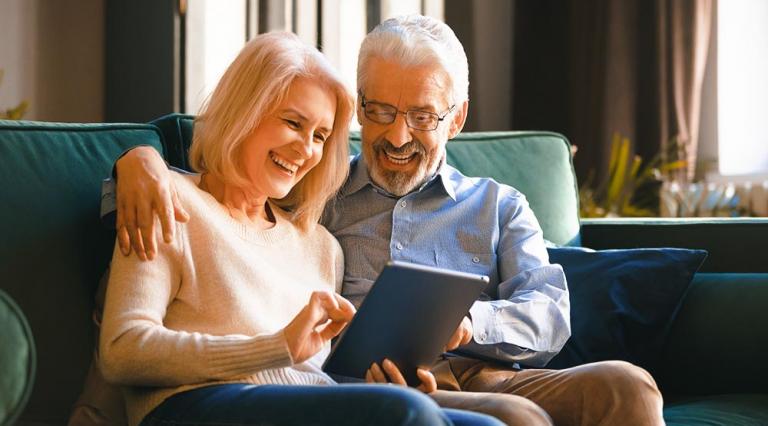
[
  {"x": 631, "y": 187},
  {"x": 16, "y": 113}
]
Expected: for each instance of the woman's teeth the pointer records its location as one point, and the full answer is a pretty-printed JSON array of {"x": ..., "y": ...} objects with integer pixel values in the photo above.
[{"x": 289, "y": 167}]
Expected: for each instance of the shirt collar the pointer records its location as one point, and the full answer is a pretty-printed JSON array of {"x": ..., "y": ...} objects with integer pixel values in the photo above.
[{"x": 359, "y": 179}]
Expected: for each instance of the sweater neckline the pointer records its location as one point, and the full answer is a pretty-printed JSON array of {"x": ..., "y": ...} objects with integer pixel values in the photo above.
[{"x": 269, "y": 236}]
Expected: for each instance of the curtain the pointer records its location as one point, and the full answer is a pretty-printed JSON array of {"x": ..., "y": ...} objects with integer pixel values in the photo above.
[
  {"x": 684, "y": 30},
  {"x": 593, "y": 68}
]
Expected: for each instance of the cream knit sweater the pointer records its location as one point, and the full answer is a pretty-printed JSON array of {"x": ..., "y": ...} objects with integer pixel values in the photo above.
[{"x": 211, "y": 306}]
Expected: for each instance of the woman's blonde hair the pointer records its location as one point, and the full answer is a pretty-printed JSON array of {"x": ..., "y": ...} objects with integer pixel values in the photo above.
[{"x": 252, "y": 87}]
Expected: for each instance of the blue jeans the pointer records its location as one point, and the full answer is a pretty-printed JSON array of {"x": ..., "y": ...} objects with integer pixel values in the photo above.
[{"x": 353, "y": 404}]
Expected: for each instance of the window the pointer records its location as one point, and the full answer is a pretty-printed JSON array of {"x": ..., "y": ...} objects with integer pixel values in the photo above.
[
  {"x": 742, "y": 81},
  {"x": 212, "y": 43},
  {"x": 216, "y": 31}
]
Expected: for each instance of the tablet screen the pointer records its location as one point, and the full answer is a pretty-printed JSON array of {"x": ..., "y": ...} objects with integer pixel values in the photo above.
[{"x": 408, "y": 316}]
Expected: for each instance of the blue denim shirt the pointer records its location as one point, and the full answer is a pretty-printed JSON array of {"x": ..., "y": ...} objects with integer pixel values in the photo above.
[{"x": 469, "y": 224}]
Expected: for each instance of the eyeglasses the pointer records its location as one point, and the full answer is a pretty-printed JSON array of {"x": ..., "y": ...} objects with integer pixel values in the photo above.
[{"x": 415, "y": 119}]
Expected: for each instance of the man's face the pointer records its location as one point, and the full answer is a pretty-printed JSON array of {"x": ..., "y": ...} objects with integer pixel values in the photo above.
[{"x": 401, "y": 158}]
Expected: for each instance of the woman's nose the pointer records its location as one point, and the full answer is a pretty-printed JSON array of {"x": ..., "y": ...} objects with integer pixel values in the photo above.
[{"x": 304, "y": 146}]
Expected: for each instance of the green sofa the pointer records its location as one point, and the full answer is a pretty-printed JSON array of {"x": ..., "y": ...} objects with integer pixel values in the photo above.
[{"x": 54, "y": 250}]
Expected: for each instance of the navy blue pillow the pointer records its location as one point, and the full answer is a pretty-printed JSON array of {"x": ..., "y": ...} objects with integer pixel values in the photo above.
[{"x": 622, "y": 301}]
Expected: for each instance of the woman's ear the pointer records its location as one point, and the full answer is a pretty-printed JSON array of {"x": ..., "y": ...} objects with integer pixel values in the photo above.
[{"x": 459, "y": 118}]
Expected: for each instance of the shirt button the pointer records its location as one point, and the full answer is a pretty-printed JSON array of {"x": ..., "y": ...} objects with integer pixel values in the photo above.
[
  {"x": 475, "y": 259},
  {"x": 483, "y": 336},
  {"x": 402, "y": 204},
  {"x": 399, "y": 246}
]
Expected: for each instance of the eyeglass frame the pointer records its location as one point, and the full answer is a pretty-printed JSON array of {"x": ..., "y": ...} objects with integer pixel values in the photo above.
[{"x": 364, "y": 102}]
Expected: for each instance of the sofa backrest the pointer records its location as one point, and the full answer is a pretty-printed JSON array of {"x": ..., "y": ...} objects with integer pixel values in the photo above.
[
  {"x": 538, "y": 164},
  {"x": 54, "y": 249}
]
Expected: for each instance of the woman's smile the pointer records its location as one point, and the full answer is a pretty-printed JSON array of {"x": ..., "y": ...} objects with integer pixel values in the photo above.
[{"x": 283, "y": 164}]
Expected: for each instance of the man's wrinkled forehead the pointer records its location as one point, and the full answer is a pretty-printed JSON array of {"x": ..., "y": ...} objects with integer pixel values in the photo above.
[{"x": 424, "y": 86}]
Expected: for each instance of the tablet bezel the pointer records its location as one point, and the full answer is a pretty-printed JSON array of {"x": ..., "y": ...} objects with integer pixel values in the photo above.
[{"x": 415, "y": 310}]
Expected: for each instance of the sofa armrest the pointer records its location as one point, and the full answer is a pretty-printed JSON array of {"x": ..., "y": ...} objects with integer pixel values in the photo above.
[{"x": 734, "y": 245}]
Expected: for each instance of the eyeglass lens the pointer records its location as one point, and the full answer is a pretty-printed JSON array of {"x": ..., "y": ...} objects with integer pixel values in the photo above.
[{"x": 386, "y": 114}]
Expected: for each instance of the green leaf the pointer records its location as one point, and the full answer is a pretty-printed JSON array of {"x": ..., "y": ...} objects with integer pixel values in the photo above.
[{"x": 18, "y": 112}]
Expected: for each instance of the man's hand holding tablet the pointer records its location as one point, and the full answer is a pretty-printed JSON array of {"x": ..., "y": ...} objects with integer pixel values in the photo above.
[{"x": 411, "y": 315}]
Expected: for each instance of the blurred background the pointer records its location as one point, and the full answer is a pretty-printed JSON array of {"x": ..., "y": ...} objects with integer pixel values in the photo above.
[{"x": 665, "y": 101}]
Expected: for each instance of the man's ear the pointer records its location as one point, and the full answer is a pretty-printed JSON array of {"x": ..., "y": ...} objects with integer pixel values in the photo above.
[
  {"x": 459, "y": 118},
  {"x": 359, "y": 110}
]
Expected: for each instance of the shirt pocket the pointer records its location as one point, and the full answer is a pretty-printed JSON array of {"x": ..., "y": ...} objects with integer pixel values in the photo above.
[{"x": 475, "y": 263}]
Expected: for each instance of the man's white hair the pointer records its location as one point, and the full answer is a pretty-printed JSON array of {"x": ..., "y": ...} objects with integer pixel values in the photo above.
[{"x": 415, "y": 40}]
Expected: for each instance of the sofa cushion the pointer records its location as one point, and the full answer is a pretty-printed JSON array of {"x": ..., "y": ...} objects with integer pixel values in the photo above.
[
  {"x": 177, "y": 138},
  {"x": 17, "y": 360},
  {"x": 718, "y": 410},
  {"x": 722, "y": 329},
  {"x": 54, "y": 248},
  {"x": 623, "y": 302}
]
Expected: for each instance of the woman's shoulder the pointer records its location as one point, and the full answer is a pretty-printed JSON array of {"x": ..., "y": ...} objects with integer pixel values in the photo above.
[
  {"x": 322, "y": 233},
  {"x": 315, "y": 234},
  {"x": 186, "y": 181},
  {"x": 323, "y": 238},
  {"x": 187, "y": 189}
]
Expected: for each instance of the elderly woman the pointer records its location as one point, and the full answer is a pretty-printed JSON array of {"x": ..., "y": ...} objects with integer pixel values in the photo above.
[{"x": 230, "y": 323}]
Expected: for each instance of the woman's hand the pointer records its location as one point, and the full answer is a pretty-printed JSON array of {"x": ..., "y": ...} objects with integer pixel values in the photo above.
[
  {"x": 392, "y": 374},
  {"x": 145, "y": 190},
  {"x": 319, "y": 321}
]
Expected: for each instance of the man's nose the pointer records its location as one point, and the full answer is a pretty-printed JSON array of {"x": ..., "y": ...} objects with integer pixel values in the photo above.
[{"x": 398, "y": 133}]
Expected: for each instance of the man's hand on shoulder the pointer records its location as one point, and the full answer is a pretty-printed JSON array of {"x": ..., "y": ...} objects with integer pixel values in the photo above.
[
  {"x": 145, "y": 190},
  {"x": 461, "y": 336}
]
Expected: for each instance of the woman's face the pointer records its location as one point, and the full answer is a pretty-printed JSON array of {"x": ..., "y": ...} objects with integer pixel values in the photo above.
[{"x": 289, "y": 142}]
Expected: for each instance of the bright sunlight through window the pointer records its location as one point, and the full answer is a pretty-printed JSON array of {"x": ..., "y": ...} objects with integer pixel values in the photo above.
[{"x": 743, "y": 86}]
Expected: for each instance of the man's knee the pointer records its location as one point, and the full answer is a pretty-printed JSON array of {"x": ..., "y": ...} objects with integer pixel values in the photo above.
[
  {"x": 627, "y": 391},
  {"x": 624, "y": 378}
]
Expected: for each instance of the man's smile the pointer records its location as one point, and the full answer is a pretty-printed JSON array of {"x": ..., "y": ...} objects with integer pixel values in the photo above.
[{"x": 398, "y": 159}]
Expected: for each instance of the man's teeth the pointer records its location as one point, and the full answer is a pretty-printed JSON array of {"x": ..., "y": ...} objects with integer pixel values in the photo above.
[
  {"x": 290, "y": 167},
  {"x": 399, "y": 159}
]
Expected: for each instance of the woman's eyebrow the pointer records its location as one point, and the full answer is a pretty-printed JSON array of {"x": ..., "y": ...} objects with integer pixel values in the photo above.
[
  {"x": 303, "y": 118},
  {"x": 294, "y": 111}
]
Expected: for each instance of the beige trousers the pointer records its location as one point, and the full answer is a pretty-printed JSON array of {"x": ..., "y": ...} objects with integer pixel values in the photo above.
[{"x": 601, "y": 393}]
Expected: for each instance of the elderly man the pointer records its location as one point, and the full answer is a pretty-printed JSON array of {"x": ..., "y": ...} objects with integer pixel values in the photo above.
[{"x": 403, "y": 202}]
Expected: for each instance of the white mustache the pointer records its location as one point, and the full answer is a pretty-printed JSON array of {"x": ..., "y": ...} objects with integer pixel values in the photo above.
[{"x": 405, "y": 150}]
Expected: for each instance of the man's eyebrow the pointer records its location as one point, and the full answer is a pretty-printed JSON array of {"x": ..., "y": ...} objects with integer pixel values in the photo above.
[{"x": 425, "y": 108}]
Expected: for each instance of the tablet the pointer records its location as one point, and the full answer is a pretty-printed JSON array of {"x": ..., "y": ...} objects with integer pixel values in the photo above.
[{"x": 408, "y": 316}]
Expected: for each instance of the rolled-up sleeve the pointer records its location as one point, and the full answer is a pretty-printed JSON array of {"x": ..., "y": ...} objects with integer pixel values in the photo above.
[{"x": 529, "y": 322}]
